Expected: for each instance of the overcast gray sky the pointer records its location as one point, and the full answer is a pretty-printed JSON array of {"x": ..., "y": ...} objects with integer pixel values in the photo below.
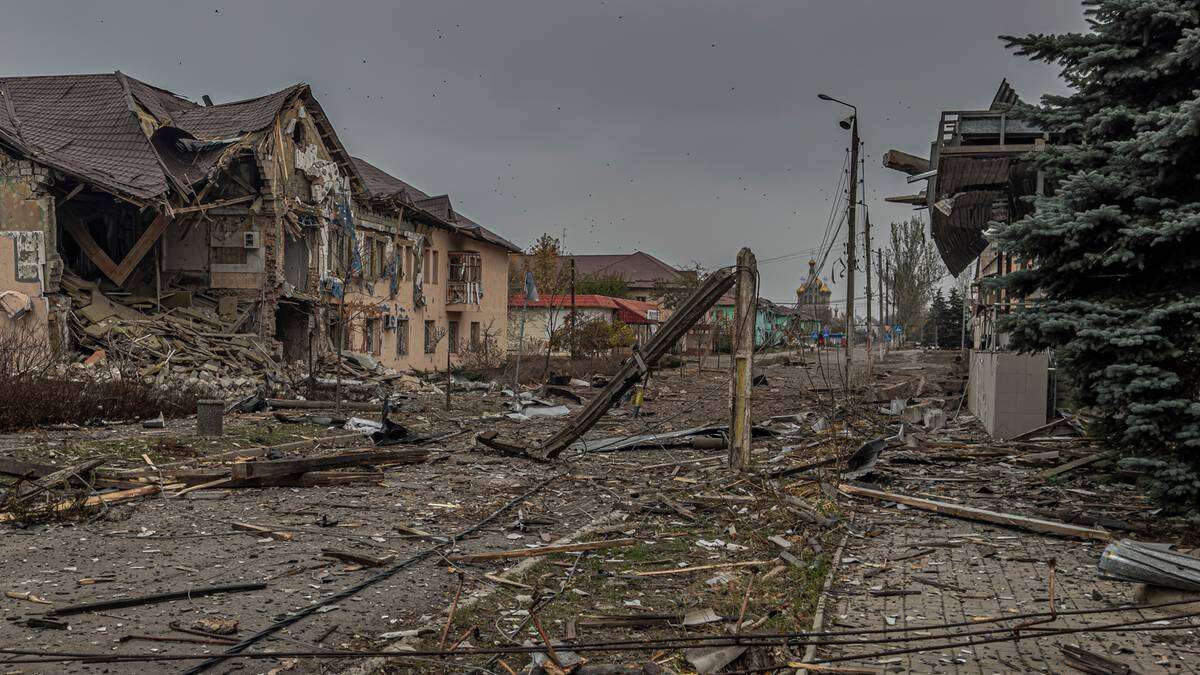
[{"x": 685, "y": 129}]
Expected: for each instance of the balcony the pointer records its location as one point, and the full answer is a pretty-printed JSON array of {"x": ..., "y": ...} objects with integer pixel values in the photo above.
[
  {"x": 985, "y": 131},
  {"x": 464, "y": 287}
]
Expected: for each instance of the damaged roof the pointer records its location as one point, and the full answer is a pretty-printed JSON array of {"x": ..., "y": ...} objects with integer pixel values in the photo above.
[
  {"x": 86, "y": 126},
  {"x": 380, "y": 183},
  {"x": 89, "y": 126}
]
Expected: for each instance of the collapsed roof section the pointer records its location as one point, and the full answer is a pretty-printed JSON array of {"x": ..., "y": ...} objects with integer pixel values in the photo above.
[
  {"x": 85, "y": 126},
  {"x": 975, "y": 176},
  {"x": 136, "y": 140}
]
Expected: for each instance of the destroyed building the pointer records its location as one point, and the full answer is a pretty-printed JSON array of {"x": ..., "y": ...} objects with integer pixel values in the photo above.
[
  {"x": 979, "y": 172},
  {"x": 120, "y": 200}
]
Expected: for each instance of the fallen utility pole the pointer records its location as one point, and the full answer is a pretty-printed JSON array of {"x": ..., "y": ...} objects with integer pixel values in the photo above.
[
  {"x": 972, "y": 513},
  {"x": 743, "y": 360},
  {"x": 635, "y": 367}
]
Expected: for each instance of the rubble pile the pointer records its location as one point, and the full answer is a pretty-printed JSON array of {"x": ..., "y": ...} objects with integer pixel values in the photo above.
[
  {"x": 186, "y": 343},
  {"x": 194, "y": 341}
]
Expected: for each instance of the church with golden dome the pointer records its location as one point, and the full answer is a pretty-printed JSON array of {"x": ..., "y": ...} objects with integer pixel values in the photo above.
[{"x": 812, "y": 298}]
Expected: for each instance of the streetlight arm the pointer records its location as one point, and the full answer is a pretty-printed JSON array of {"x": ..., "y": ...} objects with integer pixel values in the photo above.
[{"x": 827, "y": 97}]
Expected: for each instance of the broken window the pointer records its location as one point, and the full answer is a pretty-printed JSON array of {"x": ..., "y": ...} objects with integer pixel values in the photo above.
[
  {"x": 435, "y": 267},
  {"x": 452, "y": 336},
  {"x": 465, "y": 281},
  {"x": 475, "y": 335},
  {"x": 402, "y": 337},
  {"x": 430, "y": 337},
  {"x": 374, "y": 336}
]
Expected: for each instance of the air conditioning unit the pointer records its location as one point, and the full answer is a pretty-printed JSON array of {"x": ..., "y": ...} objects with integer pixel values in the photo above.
[{"x": 251, "y": 240}]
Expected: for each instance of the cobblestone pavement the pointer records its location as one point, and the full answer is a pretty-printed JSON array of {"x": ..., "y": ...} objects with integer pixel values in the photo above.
[{"x": 915, "y": 568}]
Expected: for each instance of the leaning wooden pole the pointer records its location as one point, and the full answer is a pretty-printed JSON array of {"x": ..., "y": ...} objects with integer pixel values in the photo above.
[
  {"x": 635, "y": 367},
  {"x": 744, "y": 315}
]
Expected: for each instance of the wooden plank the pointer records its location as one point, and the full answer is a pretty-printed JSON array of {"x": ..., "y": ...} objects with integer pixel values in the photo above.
[
  {"x": 286, "y": 467},
  {"x": 972, "y": 513},
  {"x": 258, "y": 451},
  {"x": 1071, "y": 466},
  {"x": 284, "y": 404},
  {"x": 11, "y": 466},
  {"x": 544, "y": 550},
  {"x": 672, "y": 332}
]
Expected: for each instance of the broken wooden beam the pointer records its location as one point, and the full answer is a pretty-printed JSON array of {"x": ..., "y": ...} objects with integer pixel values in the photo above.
[
  {"x": 287, "y": 467},
  {"x": 544, "y": 550},
  {"x": 1071, "y": 466},
  {"x": 972, "y": 513},
  {"x": 118, "y": 603},
  {"x": 352, "y": 406},
  {"x": 906, "y": 163}
]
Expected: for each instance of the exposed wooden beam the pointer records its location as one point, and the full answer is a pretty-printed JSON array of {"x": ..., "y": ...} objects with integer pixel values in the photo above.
[
  {"x": 916, "y": 200},
  {"x": 71, "y": 195},
  {"x": 904, "y": 162},
  {"x": 142, "y": 246},
  {"x": 219, "y": 203},
  {"x": 93, "y": 251}
]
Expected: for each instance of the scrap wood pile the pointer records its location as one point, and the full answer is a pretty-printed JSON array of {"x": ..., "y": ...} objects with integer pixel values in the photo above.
[
  {"x": 187, "y": 342},
  {"x": 48, "y": 492}
]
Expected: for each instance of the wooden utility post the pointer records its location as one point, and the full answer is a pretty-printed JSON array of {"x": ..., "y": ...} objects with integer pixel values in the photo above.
[
  {"x": 744, "y": 313},
  {"x": 879, "y": 269},
  {"x": 867, "y": 258},
  {"x": 851, "y": 259}
]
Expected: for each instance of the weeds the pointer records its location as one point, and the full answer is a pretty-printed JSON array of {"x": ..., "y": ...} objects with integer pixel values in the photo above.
[{"x": 31, "y": 400}]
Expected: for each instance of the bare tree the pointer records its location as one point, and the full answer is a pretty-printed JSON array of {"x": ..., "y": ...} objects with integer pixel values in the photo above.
[
  {"x": 552, "y": 275},
  {"x": 916, "y": 270}
]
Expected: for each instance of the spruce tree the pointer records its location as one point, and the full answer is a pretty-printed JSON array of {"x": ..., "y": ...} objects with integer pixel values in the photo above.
[
  {"x": 1117, "y": 245},
  {"x": 952, "y": 325},
  {"x": 935, "y": 320}
]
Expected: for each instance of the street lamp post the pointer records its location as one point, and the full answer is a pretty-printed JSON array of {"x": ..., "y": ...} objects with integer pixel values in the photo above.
[{"x": 850, "y": 123}]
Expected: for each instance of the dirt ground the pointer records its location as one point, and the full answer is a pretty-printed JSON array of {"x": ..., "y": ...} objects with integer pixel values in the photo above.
[{"x": 692, "y": 548}]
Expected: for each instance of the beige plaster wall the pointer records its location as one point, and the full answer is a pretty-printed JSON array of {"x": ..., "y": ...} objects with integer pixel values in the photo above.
[{"x": 492, "y": 310}]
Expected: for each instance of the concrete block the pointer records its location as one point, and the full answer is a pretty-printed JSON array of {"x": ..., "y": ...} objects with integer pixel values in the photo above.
[{"x": 210, "y": 417}]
